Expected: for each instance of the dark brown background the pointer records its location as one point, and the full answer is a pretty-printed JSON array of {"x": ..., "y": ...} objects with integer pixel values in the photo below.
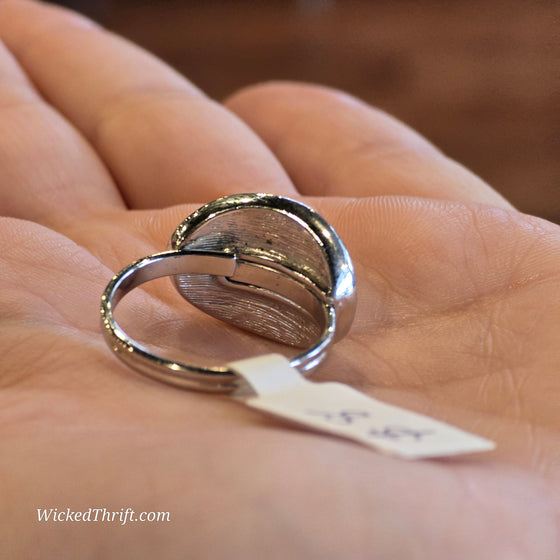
[{"x": 479, "y": 78}]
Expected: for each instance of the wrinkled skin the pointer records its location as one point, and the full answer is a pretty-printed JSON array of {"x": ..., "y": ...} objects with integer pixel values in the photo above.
[{"x": 103, "y": 151}]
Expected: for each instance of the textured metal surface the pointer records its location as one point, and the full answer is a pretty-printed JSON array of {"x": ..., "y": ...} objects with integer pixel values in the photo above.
[
  {"x": 255, "y": 311},
  {"x": 267, "y": 236}
]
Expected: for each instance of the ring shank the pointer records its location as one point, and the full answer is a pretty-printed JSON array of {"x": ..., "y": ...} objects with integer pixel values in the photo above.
[{"x": 281, "y": 284}]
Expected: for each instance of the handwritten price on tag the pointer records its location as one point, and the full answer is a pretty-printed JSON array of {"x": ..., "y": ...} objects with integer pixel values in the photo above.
[{"x": 351, "y": 417}]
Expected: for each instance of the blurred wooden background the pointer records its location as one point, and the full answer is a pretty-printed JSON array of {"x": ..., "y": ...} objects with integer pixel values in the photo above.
[{"x": 479, "y": 78}]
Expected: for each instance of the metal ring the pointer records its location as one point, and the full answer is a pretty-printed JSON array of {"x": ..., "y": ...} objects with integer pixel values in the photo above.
[{"x": 265, "y": 263}]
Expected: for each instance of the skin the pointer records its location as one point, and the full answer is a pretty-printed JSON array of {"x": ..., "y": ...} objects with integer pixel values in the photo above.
[{"x": 103, "y": 151}]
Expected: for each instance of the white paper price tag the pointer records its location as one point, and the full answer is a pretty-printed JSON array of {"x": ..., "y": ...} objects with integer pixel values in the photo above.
[{"x": 338, "y": 409}]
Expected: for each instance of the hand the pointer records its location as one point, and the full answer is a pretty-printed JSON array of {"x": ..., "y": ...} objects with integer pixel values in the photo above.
[{"x": 103, "y": 151}]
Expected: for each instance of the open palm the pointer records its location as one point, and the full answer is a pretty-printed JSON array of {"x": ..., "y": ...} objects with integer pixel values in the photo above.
[{"x": 103, "y": 151}]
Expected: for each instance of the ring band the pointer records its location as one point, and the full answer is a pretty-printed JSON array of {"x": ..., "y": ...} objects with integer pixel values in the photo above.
[{"x": 265, "y": 263}]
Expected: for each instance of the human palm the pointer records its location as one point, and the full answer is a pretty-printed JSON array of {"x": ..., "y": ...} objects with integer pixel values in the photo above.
[{"x": 103, "y": 151}]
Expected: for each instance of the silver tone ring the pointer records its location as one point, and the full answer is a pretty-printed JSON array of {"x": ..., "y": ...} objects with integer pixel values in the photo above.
[{"x": 261, "y": 262}]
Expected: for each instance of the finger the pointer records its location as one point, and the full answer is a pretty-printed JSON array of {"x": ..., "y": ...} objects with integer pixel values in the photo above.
[
  {"x": 332, "y": 144},
  {"x": 163, "y": 141},
  {"x": 47, "y": 170}
]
